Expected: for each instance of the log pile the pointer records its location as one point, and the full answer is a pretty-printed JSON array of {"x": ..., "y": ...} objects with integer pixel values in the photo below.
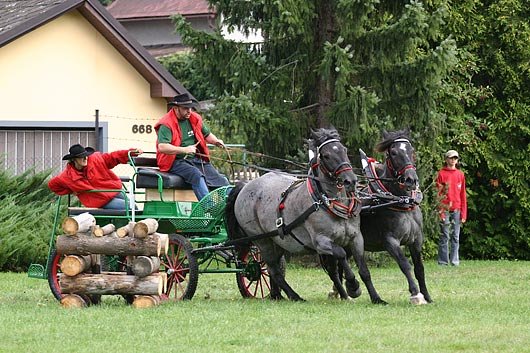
[{"x": 84, "y": 243}]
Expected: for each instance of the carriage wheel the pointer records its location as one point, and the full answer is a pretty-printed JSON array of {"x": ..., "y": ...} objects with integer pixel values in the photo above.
[
  {"x": 254, "y": 281},
  {"x": 181, "y": 268},
  {"x": 54, "y": 273}
]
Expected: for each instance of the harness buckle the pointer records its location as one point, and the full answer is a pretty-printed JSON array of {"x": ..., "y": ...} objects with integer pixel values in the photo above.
[{"x": 279, "y": 222}]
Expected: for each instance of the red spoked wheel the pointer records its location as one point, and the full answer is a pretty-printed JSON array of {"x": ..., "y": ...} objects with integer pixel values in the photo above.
[
  {"x": 54, "y": 277},
  {"x": 181, "y": 267},
  {"x": 254, "y": 280},
  {"x": 54, "y": 273}
]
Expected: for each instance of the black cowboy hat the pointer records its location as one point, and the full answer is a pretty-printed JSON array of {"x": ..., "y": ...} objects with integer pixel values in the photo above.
[
  {"x": 184, "y": 100},
  {"x": 77, "y": 151}
]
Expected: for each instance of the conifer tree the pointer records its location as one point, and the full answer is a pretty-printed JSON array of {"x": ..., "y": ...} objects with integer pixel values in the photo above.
[{"x": 358, "y": 65}]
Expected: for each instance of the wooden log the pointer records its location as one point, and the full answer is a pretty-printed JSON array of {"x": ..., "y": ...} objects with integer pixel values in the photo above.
[
  {"x": 73, "y": 265},
  {"x": 145, "y": 265},
  {"x": 112, "y": 283},
  {"x": 164, "y": 279},
  {"x": 145, "y": 227},
  {"x": 164, "y": 243},
  {"x": 126, "y": 230},
  {"x": 81, "y": 244},
  {"x": 105, "y": 230},
  {"x": 78, "y": 224},
  {"x": 146, "y": 301},
  {"x": 73, "y": 301}
]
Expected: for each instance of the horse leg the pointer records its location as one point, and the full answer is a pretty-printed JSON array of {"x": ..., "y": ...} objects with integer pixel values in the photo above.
[
  {"x": 393, "y": 248},
  {"x": 357, "y": 251},
  {"x": 275, "y": 288},
  {"x": 419, "y": 271},
  {"x": 274, "y": 259},
  {"x": 329, "y": 262}
]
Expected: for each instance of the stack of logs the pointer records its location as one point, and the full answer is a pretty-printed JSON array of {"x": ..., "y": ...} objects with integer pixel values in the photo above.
[{"x": 84, "y": 243}]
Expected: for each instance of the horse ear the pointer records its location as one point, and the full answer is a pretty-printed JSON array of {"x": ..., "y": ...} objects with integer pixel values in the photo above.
[{"x": 385, "y": 134}]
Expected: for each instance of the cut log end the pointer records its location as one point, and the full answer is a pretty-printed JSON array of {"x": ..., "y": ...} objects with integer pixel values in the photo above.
[
  {"x": 146, "y": 301},
  {"x": 145, "y": 227},
  {"x": 73, "y": 301}
]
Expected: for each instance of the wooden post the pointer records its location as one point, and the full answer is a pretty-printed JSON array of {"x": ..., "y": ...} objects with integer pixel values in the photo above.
[
  {"x": 112, "y": 283},
  {"x": 85, "y": 245},
  {"x": 73, "y": 265},
  {"x": 126, "y": 230},
  {"x": 145, "y": 227},
  {"x": 101, "y": 231},
  {"x": 78, "y": 224},
  {"x": 145, "y": 265}
]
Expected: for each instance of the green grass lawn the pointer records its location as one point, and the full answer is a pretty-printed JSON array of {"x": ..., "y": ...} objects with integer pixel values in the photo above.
[{"x": 479, "y": 307}]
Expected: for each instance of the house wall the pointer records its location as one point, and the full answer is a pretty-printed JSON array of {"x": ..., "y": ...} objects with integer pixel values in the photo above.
[{"x": 58, "y": 75}]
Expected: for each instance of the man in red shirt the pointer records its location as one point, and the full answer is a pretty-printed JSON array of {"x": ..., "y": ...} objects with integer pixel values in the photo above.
[
  {"x": 89, "y": 170},
  {"x": 451, "y": 184},
  {"x": 181, "y": 146}
]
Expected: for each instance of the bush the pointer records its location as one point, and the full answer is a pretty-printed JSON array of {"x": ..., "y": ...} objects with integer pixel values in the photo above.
[{"x": 26, "y": 219}]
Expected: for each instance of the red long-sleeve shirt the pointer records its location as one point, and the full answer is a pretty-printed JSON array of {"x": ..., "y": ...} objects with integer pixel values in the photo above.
[
  {"x": 452, "y": 188},
  {"x": 95, "y": 176}
]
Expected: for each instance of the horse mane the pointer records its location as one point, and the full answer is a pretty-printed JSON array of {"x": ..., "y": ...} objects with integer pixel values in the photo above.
[
  {"x": 321, "y": 135},
  {"x": 390, "y": 136}
]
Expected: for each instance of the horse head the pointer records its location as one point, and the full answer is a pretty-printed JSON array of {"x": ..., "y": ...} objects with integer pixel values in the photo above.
[
  {"x": 400, "y": 158},
  {"x": 331, "y": 157}
]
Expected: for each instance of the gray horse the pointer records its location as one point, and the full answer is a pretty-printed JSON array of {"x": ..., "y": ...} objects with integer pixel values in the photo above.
[
  {"x": 281, "y": 213},
  {"x": 387, "y": 228}
]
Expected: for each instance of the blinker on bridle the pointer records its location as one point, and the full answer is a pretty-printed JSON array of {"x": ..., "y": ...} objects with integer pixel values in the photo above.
[
  {"x": 398, "y": 173},
  {"x": 342, "y": 167}
]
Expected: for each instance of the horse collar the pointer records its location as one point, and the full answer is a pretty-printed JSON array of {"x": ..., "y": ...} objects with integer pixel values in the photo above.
[{"x": 333, "y": 206}]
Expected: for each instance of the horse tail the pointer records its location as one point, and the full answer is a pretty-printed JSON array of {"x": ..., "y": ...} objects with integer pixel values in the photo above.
[{"x": 233, "y": 228}]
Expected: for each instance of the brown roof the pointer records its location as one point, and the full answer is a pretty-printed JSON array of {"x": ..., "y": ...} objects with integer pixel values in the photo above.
[
  {"x": 20, "y": 17},
  {"x": 133, "y": 9},
  {"x": 14, "y": 13}
]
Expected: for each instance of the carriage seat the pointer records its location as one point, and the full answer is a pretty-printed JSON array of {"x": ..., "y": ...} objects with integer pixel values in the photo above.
[
  {"x": 74, "y": 211},
  {"x": 148, "y": 176}
]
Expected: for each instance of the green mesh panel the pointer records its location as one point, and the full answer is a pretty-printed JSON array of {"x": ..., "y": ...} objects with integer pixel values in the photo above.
[{"x": 207, "y": 213}]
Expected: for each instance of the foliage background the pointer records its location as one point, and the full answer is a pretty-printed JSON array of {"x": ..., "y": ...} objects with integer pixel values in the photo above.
[
  {"x": 26, "y": 219},
  {"x": 456, "y": 73}
]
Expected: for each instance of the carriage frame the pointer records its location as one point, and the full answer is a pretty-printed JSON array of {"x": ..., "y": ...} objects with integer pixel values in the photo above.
[{"x": 196, "y": 231}]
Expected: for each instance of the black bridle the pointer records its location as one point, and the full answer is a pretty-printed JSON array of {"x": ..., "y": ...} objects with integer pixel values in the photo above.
[
  {"x": 397, "y": 172},
  {"x": 340, "y": 168}
]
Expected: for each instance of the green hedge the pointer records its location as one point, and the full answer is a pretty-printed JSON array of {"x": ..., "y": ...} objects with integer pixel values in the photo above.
[{"x": 26, "y": 219}]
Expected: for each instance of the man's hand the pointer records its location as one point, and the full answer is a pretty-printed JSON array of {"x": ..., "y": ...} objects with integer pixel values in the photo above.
[
  {"x": 191, "y": 149},
  {"x": 135, "y": 152},
  {"x": 220, "y": 144}
]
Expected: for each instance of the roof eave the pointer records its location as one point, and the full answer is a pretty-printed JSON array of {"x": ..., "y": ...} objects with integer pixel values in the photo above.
[{"x": 162, "y": 83}]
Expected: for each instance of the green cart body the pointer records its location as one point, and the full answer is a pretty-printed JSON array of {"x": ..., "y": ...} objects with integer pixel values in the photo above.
[{"x": 196, "y": 232}]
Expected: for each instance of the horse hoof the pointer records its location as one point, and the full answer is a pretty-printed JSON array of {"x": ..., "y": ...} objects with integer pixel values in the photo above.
[
  {"x": 356, "y": 293},
  {"x": 379, "y": 301},
  {"x": 418, "y": 299},
  {"x": 333, "y": 295}
]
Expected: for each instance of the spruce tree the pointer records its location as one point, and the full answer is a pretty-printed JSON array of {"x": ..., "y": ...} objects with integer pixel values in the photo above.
[{"x": 358, "y": 65}]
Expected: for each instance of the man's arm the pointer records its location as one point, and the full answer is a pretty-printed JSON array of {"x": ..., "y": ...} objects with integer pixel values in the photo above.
[
  {"x": 168, "y": 148},
  {"x": 211, "y": 138}
]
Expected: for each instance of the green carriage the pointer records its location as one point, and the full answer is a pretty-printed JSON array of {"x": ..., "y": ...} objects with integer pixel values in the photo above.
[{"x": 196, "y": 232}]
